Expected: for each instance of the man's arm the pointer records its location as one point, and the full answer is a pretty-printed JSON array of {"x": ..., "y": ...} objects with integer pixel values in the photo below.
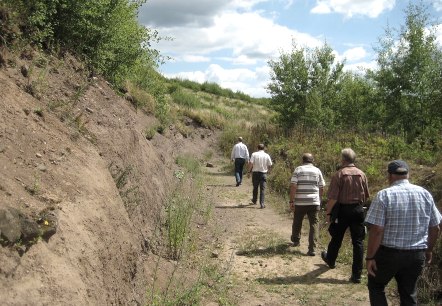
[
  {"x": 321, "y": 192},
  {"x": 328, "y": 208},
  {"x": 250, "y": 166},
  {"x": 293, "y": 187},
  {"x": 433, "y": 234},
  {"x": 375, "y": 235}
]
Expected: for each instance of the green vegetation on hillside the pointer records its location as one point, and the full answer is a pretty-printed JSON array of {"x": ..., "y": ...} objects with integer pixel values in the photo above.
[
  {"x": 105, "y": 33},
  {"x": 402, "y": 97}
]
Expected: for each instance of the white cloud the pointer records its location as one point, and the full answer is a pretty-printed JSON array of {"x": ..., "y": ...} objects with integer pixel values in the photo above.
[
  {"x": 241, "y": 60},
  {"x": 355, "y": 54},
  {"x": 251, "y": 82},
  {"x": 246, "y": 36},
  {"x": 194, "y": 59},
  {"x": 437, "y": 5},
  {"x": 350, "y": 8},
  {"x": 438, "y": 33},
  {"x": 243, "y": 4},
  {"x": 361, "y": 67},
  {"x": 170, "y": 13}
]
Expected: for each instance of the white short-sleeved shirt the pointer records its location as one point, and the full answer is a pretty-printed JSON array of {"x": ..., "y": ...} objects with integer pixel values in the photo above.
[
  {"x": 240, "y": 151},
  {"x": 261, "y": 161}
]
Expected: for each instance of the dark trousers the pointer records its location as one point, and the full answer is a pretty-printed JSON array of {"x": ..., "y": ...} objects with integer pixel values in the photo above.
[
  {"x": 312, "y": 213},
  {"x": 349, "y": 216},
  {"x": 405, "y": 267},
  {"x": 259, "y": 180},
  {"x": 239, "y": 166}
]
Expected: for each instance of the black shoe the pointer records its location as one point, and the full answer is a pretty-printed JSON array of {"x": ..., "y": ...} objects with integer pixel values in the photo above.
[
  {"x": 263, "y": 206},
  {"x": 354, "y": 279},
  {"x": 311, "y": 253},
  {"x": 324, "y": 258},
  {"x": 295, "y": 243},
  {"x": 237, "y": 184},
  {"x": 253, "y": 203}
]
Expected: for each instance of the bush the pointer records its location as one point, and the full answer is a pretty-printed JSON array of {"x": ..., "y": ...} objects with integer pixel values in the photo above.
[{"x": 106, "y": 33}]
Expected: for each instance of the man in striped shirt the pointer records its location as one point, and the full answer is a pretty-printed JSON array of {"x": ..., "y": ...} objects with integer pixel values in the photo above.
[{"x": 306, "y": 188}]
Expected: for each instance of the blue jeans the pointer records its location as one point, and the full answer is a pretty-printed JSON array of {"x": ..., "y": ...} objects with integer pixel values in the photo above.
[
  {"x": 239, "y": 167},
  {"x": 404, "y": 266},
  {"x": 259, "y": 180}
]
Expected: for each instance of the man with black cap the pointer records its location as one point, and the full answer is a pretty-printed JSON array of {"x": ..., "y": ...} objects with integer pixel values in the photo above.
[{"x": 404, "y": 224}]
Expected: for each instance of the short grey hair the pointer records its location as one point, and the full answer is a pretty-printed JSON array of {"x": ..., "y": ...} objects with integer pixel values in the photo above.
[{"x": 348, "y": 155}]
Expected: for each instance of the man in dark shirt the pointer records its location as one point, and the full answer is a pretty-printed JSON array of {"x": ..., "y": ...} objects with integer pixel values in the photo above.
[{"x": 347, "y": 193}]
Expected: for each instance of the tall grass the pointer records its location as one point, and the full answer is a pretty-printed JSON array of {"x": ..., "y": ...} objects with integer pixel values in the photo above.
[
  {"x": 181, "y": 206},
  {"x": 187, "y": 205}
]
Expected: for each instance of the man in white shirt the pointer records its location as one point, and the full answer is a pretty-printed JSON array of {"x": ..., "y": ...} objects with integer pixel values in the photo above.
[
  {"x": 260, "y": 164},
  {"x": 240, "y": 155}
]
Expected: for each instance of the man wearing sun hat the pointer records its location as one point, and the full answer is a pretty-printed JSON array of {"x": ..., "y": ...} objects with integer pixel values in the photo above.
[{"x": 404, "y": 224}]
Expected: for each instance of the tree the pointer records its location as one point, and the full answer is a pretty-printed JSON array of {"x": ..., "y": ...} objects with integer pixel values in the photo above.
[
  {"x": 355, "y": 107},
  {"x": 410, "y": 76},
  {"x": 303, "y": 86},
  {"x": 105, "y": 33}
]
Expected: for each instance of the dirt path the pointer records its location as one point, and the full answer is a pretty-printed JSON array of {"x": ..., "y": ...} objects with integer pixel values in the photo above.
[{"x": 264, "y": 268}]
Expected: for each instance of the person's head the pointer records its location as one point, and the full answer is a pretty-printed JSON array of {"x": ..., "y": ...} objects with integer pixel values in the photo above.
[
  {"x": 348, "y": 156},
  {"x": 239, "y": 139},
  {"x": 307, "y": 158},
  {"x": 261, "y": 146},
  {"x": 397, "y": 170}
]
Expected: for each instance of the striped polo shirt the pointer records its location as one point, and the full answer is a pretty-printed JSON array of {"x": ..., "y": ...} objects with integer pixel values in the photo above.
[{"x": 308, "y": 180}]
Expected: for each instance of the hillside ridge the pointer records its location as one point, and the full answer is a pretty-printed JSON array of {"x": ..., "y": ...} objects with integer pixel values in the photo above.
[{"x": 72, "y": 145}]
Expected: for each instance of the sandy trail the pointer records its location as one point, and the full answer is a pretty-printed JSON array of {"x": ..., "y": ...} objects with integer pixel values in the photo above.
[{"x": 265, "y": 269}]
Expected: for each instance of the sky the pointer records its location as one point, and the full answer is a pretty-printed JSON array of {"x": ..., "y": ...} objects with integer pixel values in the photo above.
[{"x": 230, "y": 42}]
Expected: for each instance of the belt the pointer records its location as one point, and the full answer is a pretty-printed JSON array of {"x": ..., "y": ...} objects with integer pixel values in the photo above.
[
  {"x": 393, "y": 250},
  {"x": 357, "y": 203}
]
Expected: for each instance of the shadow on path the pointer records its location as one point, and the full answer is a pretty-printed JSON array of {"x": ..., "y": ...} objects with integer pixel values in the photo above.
[
  {"x": 221, "y": 185},
  {"x": 280, "y": 249},
  {"x": 222, "y": 174},
  {"x": 239, "y": 206},
  {"x": 309, "y": 278}
]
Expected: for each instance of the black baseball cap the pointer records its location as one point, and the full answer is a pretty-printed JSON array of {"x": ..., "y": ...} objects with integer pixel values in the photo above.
[{"x": 398, "y": 167}]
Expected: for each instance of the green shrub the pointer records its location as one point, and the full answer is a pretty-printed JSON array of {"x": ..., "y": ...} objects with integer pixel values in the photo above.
[
  {"x": 141, "y": 98},
  {"x": 115, "y": 42},
  {"x": 185, "y": 99},
  {"x": 190, "y": 164},
  {"x": 149, "y": 133}
]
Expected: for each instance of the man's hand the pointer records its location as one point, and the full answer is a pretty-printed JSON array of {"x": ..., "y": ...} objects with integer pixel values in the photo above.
[
  {"x": 371, "y": 267},
  {"x": 428, "y": 257},
  {"x": 292, "y": 206}
]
